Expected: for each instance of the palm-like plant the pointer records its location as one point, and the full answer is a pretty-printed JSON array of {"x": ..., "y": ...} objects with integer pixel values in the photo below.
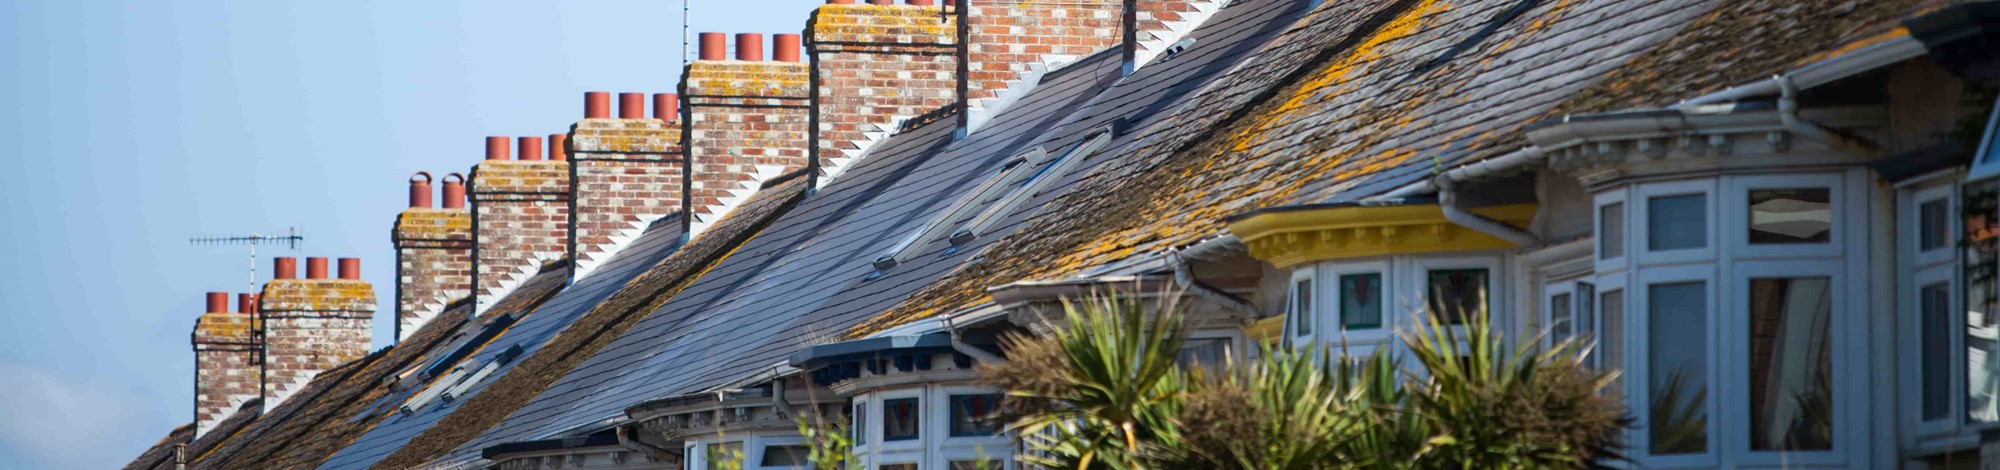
[{"x": 1290, "y": 409}]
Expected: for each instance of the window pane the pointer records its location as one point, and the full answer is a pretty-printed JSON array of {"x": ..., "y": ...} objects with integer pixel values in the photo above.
[
  {"x": 1932, "y": 225},
  {"x": 1802, "y": 215},
  {"x": 1586, "y": 312},
  {"x": 1302, "y": 307},
  {"x": 897, "y": 466},
  {"x": 1612, "y": 345},
  {"x": 786, "y": 456},
  {"x": 973, "y": 415},
  {"x": 1677, "y": 222},
  {"x": 1361, "y": 301},
  {"x": 1791, "y": 364},
  {"x": 725, "y": 455},
  {"x": 1677, "y": 361},
  {"x": 860, "y": 423},
  {"x": 1560, "y": 321},
  {"x": 987, "y": 464},
  {"x": 1456, "y": 294},
  {"x": 1204, "y": 352},
  {"x": 1982, "y": 380},
  {"x": 899, "y": 419},
  {"x": 1611, "y": 231},
  {"x": 1935, "y": 317}
]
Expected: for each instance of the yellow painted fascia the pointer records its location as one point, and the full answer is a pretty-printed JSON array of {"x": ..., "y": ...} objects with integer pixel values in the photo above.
[
  {"x": 1291, "y": 238},
  {"x": 1267, "y": 331}
]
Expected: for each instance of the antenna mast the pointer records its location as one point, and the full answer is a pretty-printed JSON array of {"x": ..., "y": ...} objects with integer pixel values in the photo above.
[{"x": 292, "y": 239}]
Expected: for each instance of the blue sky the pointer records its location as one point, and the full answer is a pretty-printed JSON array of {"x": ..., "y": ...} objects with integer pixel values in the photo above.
[{"x": 128, "y": 126}]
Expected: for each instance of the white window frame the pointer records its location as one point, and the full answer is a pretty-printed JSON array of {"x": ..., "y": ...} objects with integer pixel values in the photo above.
[
  {"x": 1358, "y": 343},
  {"x": 1607, "y": 198},
  {"x": 880, "y": 421},
  {"x": 1547, "y": 317},
  {"x": 859, "y": 424},
  {"x": 1639, "y": 219},
  {"x": 1233, "y": 348},
  {"x": 1984, "y": 165},
  {"x": 1736, "y": 206},
  {"x": 1606, "y": 283},
  {"x": 1734, "y": 392},
  {"x": 1417, "y": 280},
  {"x": 1912, "y": 338},
  {"x": 1306, "y": 274},
  {"x": 1640, "y": 387},
  {"x": 1912, "y": 219}
]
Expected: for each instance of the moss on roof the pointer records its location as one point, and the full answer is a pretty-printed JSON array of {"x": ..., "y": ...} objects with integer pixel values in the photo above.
[{"x": 603, "y": 323}]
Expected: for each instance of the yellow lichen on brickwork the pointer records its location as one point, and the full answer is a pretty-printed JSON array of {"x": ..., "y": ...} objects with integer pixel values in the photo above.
[
  {"x": 738, "y": 78},
  {"x": 224, "y": 327},
  {"x": 520, "y": 176},
  {"x": 318, "y": 295},
  {"x": 884, "y": 24},
  {"x": 625, "y": 135},
  {"x": 434, "y": 224}
]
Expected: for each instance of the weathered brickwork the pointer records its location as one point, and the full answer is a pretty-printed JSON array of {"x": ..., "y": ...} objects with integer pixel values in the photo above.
[
  {"x": 226, "y": 369},
  {"x": 876, "y": 63},
  {"x": 433, "y": 264},
  {"x": 309, "y": 326},
  {"x": 747, "y": 122},
  {"x": 626, "y": 173},
  {"x": 520, "y": 219},
  {"x": 1009, "y": 39}
]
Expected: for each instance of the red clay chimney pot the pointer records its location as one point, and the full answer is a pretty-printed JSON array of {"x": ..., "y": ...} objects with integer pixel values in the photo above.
[
  {"x": 284, "y": 267},
  {"x": 218, "y": 302},
  {"x": 316, "y": 267},
  {"x": 496, "y": 148},
  {"x": 246, "y": 303},
  {"x": 557, "y": 142},
  {"x": 667, "y": 107},
  {"x": 454, "y": 191},
  {"x": 631, "y": 106},
  {"x": 531, "y": 148},
  {"x": 596, "y": 105},
  {"x": 785, "y": 47},
  {"x": 350, "y": 269},
  {"x": 420, "y": 190},
  {"x": 881, "y": 2},
  {"x": 840, "y": 2},
  {"x": 749, "y": 47},
  {"x": 921, "y": 3},
  {"x": 714, "y": 46}
]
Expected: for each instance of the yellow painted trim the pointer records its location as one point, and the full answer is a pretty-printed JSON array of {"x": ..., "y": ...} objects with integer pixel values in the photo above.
[
  {"x": 1266, "y": 331},
  {"x": 1291, "y": 238}
]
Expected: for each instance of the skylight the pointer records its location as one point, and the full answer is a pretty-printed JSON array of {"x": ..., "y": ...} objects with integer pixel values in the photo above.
[
  {"x": 1027, "y": 190},
  {"x": 1010, "y": 175}
]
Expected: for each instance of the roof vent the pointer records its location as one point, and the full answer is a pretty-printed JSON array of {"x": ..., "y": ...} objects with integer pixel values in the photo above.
[{"x": 1175, "y": 50}]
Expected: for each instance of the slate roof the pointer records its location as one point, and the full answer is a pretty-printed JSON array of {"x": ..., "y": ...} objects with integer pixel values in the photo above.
[
  {"x": 161, "y": 454},
  {"x": 1359, "y": 98},
  {"x": 529, "y": 334},
  {"x": 603, "y": 322}
]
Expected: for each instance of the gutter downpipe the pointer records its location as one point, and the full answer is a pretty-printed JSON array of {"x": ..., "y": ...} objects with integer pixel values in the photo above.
[
  {"x": 1480, "y": 169},
  {"x": 1788, "y": 113},
  {"x": 958, "y": 344},
  {"x": 1448, "y": 201},
  {"x": 628, "y": 440},
  {"x": 1184, "y": 275}
]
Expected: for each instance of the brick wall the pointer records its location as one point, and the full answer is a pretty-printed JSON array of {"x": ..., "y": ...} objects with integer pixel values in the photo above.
[
  {"x": 626, "y": 173},
  {"x": 1010, "y": 40},
  {"x": 309, "y": 326},
  {"x": 747, "y": 122},
  {"x": 874, "y": 64},
  {"x": 226, "y": 369},
  {"x": 520, "y": 218},
  {"x": 433, "y": 264}
]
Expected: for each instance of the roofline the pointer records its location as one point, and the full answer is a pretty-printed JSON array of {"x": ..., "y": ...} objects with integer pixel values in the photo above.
[
  {"x": 497, "y": 451},
  {"x": 831, "y": 352}
]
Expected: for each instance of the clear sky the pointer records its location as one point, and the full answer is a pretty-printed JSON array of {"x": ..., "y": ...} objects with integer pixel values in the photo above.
[{"x": 128, "y": 126}]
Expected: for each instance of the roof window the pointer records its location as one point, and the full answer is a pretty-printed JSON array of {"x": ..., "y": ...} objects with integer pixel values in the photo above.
[
  {"x": 1011, "y": 174},
  {"x": 1033, "y": 186}
]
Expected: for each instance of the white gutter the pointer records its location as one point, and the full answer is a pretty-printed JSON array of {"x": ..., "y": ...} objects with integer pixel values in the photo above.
[
  {"x": 1495, "y": 166},
  {"x": 1788, "y": 113},
  {"x": 1448, "y": 201},
  {"x": 1184, "y": 274}
]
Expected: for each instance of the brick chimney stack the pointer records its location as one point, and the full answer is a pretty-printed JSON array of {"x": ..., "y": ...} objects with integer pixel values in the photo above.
[
  {"x": 747, "y": 122},
  {"x": 874, "y": 66},
  {"x": 433, "y": 252},
  {"x": 311, "y": 325},
  {"x": 520, "y": 219},
  {"x": 226, "y": 352},
  {"x": 626, "y": 172}
]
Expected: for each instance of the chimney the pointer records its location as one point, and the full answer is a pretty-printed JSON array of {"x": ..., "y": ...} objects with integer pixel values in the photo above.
[
  {"x": 873, "y": 66},
  {"x": 628, "y": 172},
  {"x": 433, "y": 253},
  {"x": 226, "y": 370},
  {"x": 520, "y": 219},
  {"x": 311, "y": 325},
  {"x": 748, "y": 122}
]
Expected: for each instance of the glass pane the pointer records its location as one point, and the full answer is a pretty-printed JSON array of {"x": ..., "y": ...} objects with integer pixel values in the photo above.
[
  {"x": 725, "y": 455},
  {"x": 1677, "y": 222},
  {"x": 972, "y": 415},
  {"x": 1586, "y": 310},
  {"x": 1935, "y": 316},
  {"x": 860, "y": 422},
  {"x": 1611, "y": 230},
  {"x": 1677, "y": 362},
  {"x": 1791, "y": 215},
  {"x": 1611, "y": 346},
  {"x": 1791, "y": 364},
  {"x": 1204, "y": 352},
  {"x": 1361, "y": 301},
  {"x": 1982, "y": 354},
  {"x": 1456, "y": 294},
  {"x": 1559, "y": 317},
  {"x": 1302, "y": 307},
  {"x": 988, "y": 464},
  {"x": 1932, "y": 226},
  {"x": 786, "y": 456},
  {"x": 899, "y": 419},
  {"x": 897, "y": 466}
]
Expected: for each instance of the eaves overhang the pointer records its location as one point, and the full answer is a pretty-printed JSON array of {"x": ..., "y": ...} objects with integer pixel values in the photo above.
[
  {"x": 1291, "y": 236},
  {"x": 501, "y": 451},
  {"x": 865, "y": 348}
]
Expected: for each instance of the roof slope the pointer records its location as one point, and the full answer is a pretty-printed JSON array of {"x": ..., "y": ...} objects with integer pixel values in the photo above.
[
  {"x": 603, "y": 322},
  {"x": 1363, "y": 97},
  {"x": 161, "y": 454},
  {"x": 529, "y": 334}
]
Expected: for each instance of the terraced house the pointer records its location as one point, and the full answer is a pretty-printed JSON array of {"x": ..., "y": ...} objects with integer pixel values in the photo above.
[{"x": 1779, "y": 219}]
